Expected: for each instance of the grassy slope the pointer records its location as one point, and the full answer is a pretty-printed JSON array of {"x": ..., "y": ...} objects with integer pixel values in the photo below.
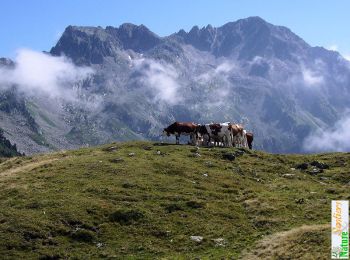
[{"x": 86, "y": 204}]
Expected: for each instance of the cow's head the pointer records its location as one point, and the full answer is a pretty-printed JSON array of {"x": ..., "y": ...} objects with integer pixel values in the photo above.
[{"x": 166, "y": 132}]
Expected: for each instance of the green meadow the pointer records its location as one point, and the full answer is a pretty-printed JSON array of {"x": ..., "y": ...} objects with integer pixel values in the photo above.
[{"x": 144, "y": 200}]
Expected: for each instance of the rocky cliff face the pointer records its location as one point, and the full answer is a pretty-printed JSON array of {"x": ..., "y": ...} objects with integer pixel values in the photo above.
[
  {"x": 246, "y": 71},
  {"x": 6, "y": 148}
]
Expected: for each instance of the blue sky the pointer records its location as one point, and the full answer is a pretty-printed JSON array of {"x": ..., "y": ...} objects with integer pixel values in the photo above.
[{"x": 37, "y": 24}]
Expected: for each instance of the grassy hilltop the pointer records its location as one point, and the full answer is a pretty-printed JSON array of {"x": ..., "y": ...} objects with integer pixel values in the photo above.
[{"x": 147, "y": 201}]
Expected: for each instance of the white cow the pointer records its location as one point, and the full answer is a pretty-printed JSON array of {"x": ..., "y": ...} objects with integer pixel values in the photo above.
[{"x": 219, "y": 134}]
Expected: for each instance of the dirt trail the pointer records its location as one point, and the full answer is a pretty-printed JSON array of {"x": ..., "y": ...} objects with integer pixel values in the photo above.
[
  {"x": 276, "y": 245},
  {"x": 26, "y": 167}
]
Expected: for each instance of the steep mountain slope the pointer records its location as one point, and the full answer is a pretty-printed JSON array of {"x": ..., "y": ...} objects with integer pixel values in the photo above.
[
  {"x": 247, "y": 71},
  {"x": 151, "y": 200},
  {"x": 6, "y": 148}
]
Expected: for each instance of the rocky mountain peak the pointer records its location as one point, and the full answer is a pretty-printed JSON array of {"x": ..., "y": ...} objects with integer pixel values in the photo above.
[
  {"x": 90, "y": 45},
  {"x": 245, "y": 38},
  {"x": 138, "y": 38},
  {"x": 253, "y": 20},
  {"x": 86, "y": 45}
]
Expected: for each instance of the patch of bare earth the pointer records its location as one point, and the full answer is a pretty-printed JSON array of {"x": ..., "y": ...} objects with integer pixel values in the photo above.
[
  {"x": 26, "y": 167},
  {"x": 305, "y": 242}
]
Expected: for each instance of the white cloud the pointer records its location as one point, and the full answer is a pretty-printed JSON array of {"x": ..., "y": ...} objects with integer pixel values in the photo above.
[
  {"x": 347, "y": 57},
  {"x": 333, "y": 47},
  {"x": 162, "y": 79},
  {"x": 312, "y": 78},
  {"x": 335, "y": 138},
  {"x": 224, "y": 68},
  {"x": 257, "y": 59},
  {"x": 216, "y": 82},
  {"x": 39, "y": 73},
  {"x": 222, "y": 72}
]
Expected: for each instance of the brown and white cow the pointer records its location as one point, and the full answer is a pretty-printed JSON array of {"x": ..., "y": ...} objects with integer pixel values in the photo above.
[
  {"x": 181, "y": 128},
  {"x": 236, "y": 129},
  {"x": 239, "y": 138}
]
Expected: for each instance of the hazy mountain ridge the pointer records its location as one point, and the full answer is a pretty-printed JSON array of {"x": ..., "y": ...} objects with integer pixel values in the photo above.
[{"x": 248, "y": 71}]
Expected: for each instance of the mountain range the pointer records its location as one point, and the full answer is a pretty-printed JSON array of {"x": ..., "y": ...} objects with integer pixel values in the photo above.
[{"x": 132, "y": 83}]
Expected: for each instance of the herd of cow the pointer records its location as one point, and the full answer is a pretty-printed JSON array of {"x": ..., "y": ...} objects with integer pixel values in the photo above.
[{"x": 217, "y": 134}]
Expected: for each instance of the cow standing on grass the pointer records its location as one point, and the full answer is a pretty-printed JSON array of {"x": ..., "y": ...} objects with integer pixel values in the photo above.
[
  {"x": 225, "y": 134},
  {"x": 181, "y": 128},
  {"x": 239, "y": 138},
  {"x": 216, "y": 133}
]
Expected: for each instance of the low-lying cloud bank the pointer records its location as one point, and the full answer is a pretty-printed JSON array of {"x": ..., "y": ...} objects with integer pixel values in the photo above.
[
  {"x": 335, "y": 139},
  {"x": 161, "y": 79},
  {"x": 38, "y": 73}
]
